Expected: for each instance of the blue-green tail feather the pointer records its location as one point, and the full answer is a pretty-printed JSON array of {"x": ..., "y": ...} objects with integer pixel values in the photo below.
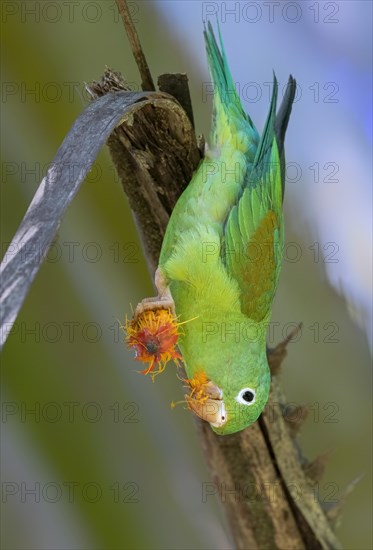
[{"x": 226, "y": 99}]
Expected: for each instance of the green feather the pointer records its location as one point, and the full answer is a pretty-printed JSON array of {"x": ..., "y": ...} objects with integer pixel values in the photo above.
[
  {"x": 255, "y": 227},
  {"x": 228, "y": 110}
]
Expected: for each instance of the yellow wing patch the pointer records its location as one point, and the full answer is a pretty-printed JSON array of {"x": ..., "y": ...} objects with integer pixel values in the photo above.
[{"x": 259, "y": 269}]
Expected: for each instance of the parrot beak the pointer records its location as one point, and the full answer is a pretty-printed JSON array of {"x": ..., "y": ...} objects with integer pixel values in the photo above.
[{"x": 211, "y": 410}]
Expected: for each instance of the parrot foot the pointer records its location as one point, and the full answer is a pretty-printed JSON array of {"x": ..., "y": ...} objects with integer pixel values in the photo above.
[{"x": 164, "y": 299}]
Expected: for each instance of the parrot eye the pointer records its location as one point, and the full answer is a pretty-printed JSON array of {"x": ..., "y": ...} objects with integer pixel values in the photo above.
[{"x": 246, "y": 396}]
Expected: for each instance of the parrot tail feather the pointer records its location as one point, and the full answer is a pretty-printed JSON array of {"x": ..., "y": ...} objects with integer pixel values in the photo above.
[
  {"x": 229, "y": 115},
  {"x": 281, "y": 124}
]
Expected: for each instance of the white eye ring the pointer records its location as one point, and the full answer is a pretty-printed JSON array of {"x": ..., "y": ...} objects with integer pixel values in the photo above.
[{"x": 246, "y": 396}]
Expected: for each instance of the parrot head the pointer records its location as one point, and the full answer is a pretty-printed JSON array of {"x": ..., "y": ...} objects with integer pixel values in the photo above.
[
  {"x": 230, "y": 388},
  {"x": 228, "y": 375}
]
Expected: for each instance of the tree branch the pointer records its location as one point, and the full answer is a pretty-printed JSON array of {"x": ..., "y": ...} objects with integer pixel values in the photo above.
[{"x": 147, "y": 84}]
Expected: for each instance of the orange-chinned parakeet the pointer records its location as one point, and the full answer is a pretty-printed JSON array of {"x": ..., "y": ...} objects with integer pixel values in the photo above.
[{"x": 221, "y": 258}]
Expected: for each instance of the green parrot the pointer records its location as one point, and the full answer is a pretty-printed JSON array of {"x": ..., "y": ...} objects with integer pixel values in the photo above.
[{"x": 222, "y": 252}]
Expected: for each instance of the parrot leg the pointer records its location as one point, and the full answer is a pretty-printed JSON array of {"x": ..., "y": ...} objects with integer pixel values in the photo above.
[{"x": 164, "y": 299}]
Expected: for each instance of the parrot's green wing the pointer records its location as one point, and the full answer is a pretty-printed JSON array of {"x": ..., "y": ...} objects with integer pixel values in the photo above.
[{"x": 254, "y": 228}]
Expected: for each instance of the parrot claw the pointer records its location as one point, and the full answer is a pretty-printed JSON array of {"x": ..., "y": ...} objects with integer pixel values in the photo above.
[{"x": 164, "y": 299}]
